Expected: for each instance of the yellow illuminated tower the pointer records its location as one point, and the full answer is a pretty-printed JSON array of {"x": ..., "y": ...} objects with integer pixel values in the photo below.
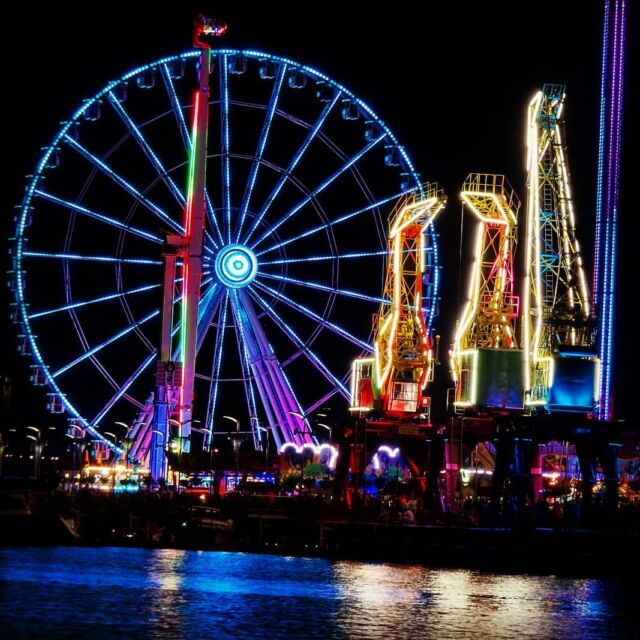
[
  {"x": 394, "y": 378},
  {"x": 485, "y": 361},
  {"x": 561, "y": 369}
]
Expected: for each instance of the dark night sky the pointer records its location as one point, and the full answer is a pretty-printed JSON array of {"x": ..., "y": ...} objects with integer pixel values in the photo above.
[{"x": 452, "y": 86}]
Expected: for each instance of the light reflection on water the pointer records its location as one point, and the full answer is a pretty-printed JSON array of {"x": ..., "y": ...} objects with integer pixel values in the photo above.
[{"x": 138, "y": 593}]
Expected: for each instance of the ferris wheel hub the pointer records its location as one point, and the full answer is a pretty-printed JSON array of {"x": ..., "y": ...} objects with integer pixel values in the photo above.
[{"x": 236, "y": 266}]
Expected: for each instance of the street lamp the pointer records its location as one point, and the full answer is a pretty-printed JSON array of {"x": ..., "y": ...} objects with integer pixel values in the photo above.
[
  {"x": 38, "y": 446},
  {"x": 236, "y": 442},
  {"x": 303, "y": 418},
  {"x": 266, "y": 446},
  {"x": 328, "y": 428},
  {"x": 181, "y": 440}
]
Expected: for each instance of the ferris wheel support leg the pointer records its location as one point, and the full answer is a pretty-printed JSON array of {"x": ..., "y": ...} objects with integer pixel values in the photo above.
[
  {"x": 157, "y": 456},
  {"x": 160, "y": 424}
]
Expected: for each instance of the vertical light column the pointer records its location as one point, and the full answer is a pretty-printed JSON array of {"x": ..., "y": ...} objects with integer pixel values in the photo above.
[
  {"x": 609, "y": 145},
  {"x": 194, "y": 216}
]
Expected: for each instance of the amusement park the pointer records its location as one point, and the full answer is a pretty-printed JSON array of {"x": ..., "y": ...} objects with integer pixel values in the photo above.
[{"x": 247, "y": 310}]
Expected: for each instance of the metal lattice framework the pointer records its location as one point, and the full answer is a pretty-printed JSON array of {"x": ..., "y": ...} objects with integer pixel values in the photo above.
[
  {"x": 489, "y": 317},
  {"x": 402, "y": 364},
  {"x": 557, "y": 305},
  {"x": 299, "y": 171}
]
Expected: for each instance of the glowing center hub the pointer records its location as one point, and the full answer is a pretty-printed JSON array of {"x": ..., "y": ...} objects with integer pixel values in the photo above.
[{"x": 236, "y": 265}]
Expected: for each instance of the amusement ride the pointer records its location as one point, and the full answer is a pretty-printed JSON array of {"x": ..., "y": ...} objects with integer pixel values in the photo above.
[{"x": 189, "y": 247}]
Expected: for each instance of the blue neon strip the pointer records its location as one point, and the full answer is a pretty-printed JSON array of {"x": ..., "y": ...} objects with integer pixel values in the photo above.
[
  {"x": 146, "y": 148},
  {"x": 145, "y": 364},
  {"x": 264, "y": 135},
  {"x": 323, "y": 287},
  {"x": 226, "y": 185},
  {"x": 247, "y": 378},
  {"x": 343, "y": 333},
  {"x": 177, "y": 108},
  {"x": 601, "y": 154},
  {"x": 211, "y": 216},
  {"x": 104, "y": 344},
  {"x": 111, "y": 296},
  {"x": 97, "y": 216},
  {"x": 186, "y": 137},
  {"x": 123, "y": 389},
  {"x": 313, "y": 73},
  {"x": 319, "y": 189},
  {"x": 343, "y": 256},
  {"x": 75, "y": 256},
  {"x": 293, "y": 336},
  {"x": 292, "y": 165},
  {"x": 123, "y": 183},
  {"x": 217, "y": 358},
  {"x": 207, "y": 308},
  {"x": 613, "y": 180},
  {"x": 343, "y": 218}
]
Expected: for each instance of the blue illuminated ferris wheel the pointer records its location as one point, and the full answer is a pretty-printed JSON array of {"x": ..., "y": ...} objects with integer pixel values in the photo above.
[{"x": 301, "y": 176}]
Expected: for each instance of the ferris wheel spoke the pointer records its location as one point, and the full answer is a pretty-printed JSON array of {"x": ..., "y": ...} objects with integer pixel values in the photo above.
[
  {"x": 134, "y": 130},
  {"x": 209, "y": 303},
  {"x": 319, "y": 189},
  {"x": 77, "y": 256},
  {"x": 247, "y": 381},
  {"x": 260, "y": 372},
  {"x": 344, "y": 256},
  {"x": 211, "y": 216},
  {"x": 215, "y": 374},
  {"x": 120, "y": 181},
  {"x": 320, "y": 401},
  {"x": 322, "y": 287},
  {"x": 224, "y": 123},
  {"x": 102, "y": 345},
  {"x": 313, "y": 132},
  {"x": 276, "y": 392},
  {"x": 342, "y": 218},
  {"x": 343, "y": 333},
  {"x": 295, "y": 338},
  {"x": 132, "y": 378},
  {"x": 84, "y": 303},
  {"x": 125, "y": 387},
  {"x": 98, "y": 216},
  {"x": 264, "y": 135},
  {"x": 177, "y": 108}
]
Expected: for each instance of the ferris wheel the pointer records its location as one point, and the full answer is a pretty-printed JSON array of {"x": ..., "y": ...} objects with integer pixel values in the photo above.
[{"x": 300, "y": 178}]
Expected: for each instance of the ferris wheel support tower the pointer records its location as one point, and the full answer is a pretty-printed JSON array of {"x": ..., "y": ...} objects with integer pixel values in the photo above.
[{"x": 190, "y": 248}]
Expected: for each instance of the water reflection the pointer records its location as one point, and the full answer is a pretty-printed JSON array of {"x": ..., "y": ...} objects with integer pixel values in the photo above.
[
  {"x": 137, "y": 593},
  {"x": 164, "y": 599},
  {"x": 378, "y": 600}
]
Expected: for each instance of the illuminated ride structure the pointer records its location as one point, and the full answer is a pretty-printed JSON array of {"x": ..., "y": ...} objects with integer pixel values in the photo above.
[
  {"x": 546, "y": 393},
  {"x": 234, "y": 222},
  {"x": 561, "y": 366},
  {"x": 485, "y": 359},
  {"x": 392, "y": 382},
  {"x": 389, "y": 384},
  {"x": 609, "y": 152}
]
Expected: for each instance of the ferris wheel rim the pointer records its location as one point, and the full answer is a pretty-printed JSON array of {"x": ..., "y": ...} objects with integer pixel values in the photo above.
[{"x": 42, "y": 168}]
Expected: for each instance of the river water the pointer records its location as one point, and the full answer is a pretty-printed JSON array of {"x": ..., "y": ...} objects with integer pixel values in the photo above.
[{"x": 95, "y": 593}]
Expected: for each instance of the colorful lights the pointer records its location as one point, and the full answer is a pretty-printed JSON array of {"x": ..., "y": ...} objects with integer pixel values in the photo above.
[
  {"x": 236, "y": 266},
  {"x": 488, "y": 319},
  {"x": 206, "y": 302},
  {"x": 557, "y": 308},
  {"x": 609, "y": 148},
  {"x": 402, "y": 362},
  {"x": 315, "y": 449}
]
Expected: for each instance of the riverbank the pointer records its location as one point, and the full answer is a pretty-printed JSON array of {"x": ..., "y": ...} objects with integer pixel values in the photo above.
[{"x": 304, "y": 527}]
